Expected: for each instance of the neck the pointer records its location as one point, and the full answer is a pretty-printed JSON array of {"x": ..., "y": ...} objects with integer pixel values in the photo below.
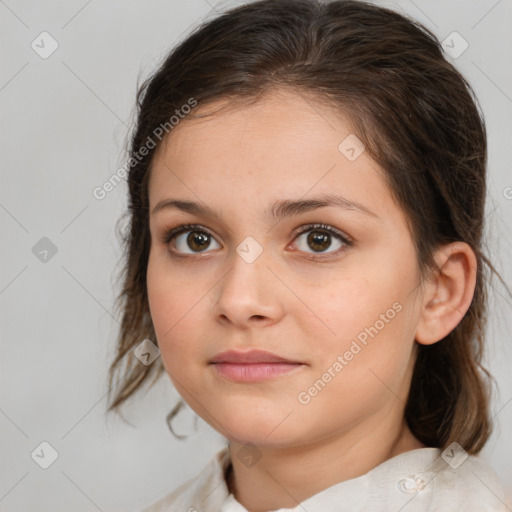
[{"x": 285, "y": 477}]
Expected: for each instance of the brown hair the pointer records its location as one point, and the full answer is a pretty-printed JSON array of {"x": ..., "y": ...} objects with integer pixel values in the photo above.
[{"x": 416, "y": 115}]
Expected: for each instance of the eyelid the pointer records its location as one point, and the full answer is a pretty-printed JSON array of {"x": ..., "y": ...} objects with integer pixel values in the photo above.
[
  {"x": 171, "y": 233},
  {"x": 340, "y": 235},
  {"x": 326, "y": 227}
]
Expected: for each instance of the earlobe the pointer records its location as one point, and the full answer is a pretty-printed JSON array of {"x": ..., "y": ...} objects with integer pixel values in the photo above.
[{"x": 448, "y": 294}]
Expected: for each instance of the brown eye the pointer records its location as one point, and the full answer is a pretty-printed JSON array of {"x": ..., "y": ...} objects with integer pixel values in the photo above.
[
  {"x": 320, "y": 238},
  {"x": 194, "y": 241},
  {"x": 197, "y": 241},
  {"x": 319, "y": 242}
]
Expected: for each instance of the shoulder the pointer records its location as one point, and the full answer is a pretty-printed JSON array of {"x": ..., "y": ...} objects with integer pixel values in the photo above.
[
  {"x": 205, "y": 492},
  {"x": 471, "y": 484},
  {"x": 431, "y": 479}
]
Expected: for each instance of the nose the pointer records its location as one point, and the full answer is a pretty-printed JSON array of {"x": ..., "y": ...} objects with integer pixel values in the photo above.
[{"x": 248, "y": 295}]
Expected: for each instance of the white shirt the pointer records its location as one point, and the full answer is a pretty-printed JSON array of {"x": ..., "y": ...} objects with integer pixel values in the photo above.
[{"x": 419, "y": 480}]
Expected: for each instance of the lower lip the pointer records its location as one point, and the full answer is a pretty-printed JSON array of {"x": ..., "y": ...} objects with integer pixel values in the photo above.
[{"x": 254, "y": 372}]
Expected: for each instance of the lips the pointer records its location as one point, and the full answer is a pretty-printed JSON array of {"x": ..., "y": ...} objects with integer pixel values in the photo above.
[
  {"x": 252, "y": 366},
  {"x": 253, "y": 356}
]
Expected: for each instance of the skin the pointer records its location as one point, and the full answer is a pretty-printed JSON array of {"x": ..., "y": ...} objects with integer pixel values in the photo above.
[{"x": 292, "y": 301}]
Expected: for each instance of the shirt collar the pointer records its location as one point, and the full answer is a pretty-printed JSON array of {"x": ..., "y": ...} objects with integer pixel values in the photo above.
[{"x": 402, "y": 476}]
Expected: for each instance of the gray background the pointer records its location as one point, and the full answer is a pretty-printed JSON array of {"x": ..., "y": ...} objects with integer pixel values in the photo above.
[{"x": 64, "y": 122}]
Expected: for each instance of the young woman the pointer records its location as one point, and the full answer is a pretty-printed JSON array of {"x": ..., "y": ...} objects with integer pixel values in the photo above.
[{"x": 306, "y": 189}]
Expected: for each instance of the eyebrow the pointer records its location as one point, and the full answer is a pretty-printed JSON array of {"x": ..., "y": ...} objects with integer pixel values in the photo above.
[{"x": 279, "y": 210}]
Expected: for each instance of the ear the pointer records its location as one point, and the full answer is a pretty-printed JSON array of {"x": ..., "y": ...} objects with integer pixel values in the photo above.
[{"x": 448, "y": 293}]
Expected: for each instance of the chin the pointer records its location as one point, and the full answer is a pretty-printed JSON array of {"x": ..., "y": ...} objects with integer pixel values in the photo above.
[
  {"x": 255, "y": 437},
  {"x": 250, "y": 424}
]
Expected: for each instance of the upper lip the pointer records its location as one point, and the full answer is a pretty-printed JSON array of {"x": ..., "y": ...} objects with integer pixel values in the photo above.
[{"x": 252, "y": 356}]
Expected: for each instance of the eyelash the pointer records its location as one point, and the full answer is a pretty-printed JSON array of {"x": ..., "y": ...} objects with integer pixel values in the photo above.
[{"x": 347, "y": 241}]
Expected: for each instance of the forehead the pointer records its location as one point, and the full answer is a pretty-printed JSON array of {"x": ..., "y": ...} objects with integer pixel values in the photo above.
[
  {"x": 283, "y": 145},
  {"x": 282, "y": 122},
  {"x": 286, "y": 113}
]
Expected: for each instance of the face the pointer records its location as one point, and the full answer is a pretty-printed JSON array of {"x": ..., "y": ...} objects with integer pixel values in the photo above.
[{"x": 341, "y": 301}]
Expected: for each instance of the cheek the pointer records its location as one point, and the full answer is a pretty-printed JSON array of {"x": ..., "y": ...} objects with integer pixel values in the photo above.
[
  {"x": 357, "y": 373},
  {"x": 371, "y": 324},
  {"x": 350, "y": 306},
  {"x": 160, "y": 290},
  {"x": 174, "y": 306}
]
